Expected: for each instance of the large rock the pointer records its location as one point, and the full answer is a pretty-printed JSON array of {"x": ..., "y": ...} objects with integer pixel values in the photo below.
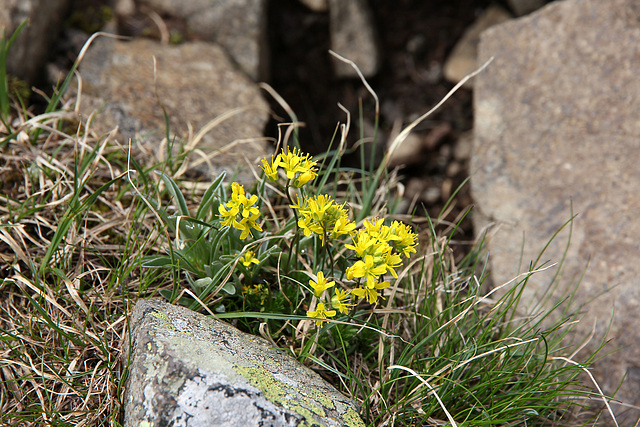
[
  {"x": 33, "y": 46},
  {"x": 188, "y": 370},
  {"x": 463, "y": 59},
  {"x": 316, "y": 5},
  {"x": 556, "y": 131},
  {"x": 522, "y": 7},
  {"x": 353, "y": 36},
  {"x": 240, "y": 26},
  {"x": 195, "y": 83}
]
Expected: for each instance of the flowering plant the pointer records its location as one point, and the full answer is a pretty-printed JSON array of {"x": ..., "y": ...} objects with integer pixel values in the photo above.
[{"x": 230, "y": 245}]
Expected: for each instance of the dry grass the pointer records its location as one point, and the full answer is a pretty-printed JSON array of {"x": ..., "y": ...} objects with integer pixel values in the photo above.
[{"x": 68, "y": 269}]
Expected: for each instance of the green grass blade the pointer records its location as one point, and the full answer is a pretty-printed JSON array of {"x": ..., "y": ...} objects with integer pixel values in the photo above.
[
  {"x": 174, "y": 190},
  {"x": 209, "y": 196}
]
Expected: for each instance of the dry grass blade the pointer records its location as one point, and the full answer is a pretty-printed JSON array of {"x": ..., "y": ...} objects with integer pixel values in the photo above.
[
  {"x": 595, "y": 383},
  {"x": 431, "y": 389},
  {"x": 406, "y": 131}
]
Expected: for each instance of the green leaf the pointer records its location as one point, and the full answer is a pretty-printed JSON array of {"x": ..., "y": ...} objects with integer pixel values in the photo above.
[
  {"x": 174, "y": 190},
  {"x": 189, "y": 230},
  {"x": 209, "y": 197},
  {"x": 229, "y": 288},
  {"x": 156, "y": 261},
  {"x": 202, "y": 284}
]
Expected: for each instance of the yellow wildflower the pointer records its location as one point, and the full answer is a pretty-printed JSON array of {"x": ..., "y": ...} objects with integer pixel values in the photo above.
[
  {"x": 240, "y": 206},
  {"x": 343, "y": 226},
  {"x": 297, "y": 166},
  {"x": 337, "y": 301},
  {"x": 324, "y": 217},
  {"x": 370, "y": 293},
  {"x": 392, "y": 261},
  {"x": 271, "y": 169},
  {"x": 305, "y": 177},
  {"x": 258, "y": 292},
  {"x": 320, "y": 313},
  {"x": 405, "y": 239},
  {"x": 362, "y": 243},
  {"x": 366, "y": 269},
  {"x": 249, "y": 259},
  {"x": 320, "y": 284},
  {"x": 374, "y": 227}
]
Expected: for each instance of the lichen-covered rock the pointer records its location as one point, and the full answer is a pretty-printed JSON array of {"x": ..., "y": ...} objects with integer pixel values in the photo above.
[{"x": 188, "y": 370}]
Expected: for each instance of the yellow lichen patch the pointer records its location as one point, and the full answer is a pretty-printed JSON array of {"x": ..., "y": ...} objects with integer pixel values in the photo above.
[
  {"x": 352, "y": 419},
  {"x": 282, "y": 394},
  {"x": 166, "y": 321},
  {"x": 321, "y": 398},
  {"x": 164, "y": 318}
]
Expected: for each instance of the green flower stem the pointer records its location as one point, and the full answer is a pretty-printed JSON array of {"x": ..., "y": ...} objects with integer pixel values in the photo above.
[
  {"x": 296, "y": 237},
  {"x": 328, "y": 251}
]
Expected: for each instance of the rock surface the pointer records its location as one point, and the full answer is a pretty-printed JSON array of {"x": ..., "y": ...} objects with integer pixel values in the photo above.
[
  {"x": 316, "y": 5},
  {"x": 353, "y": 36},
  {"x": 189, "y": 370},
  {"x": 463, "y": 59},
  {"x": 33, "y": 46},
  {"x": 556, "y": 131},
  {"x": 194, "y": 83},
  {"x": 414, "y": 149},
  {"x": 240, "y": 26},
  {"x": 523, "y": 7}
]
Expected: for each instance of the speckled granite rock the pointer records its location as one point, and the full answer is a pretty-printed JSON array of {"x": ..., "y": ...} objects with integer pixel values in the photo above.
[
  {"x": 556, "y": 125},
  {"x": 188, "y": 370},
  {"x": 194, "y": 83}
]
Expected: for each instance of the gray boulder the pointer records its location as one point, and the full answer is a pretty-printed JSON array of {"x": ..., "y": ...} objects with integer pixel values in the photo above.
[
  {"x": 239, "y": 26},
  {"x": 463, "y": 59},
  {"x": 194, "y": 83},
  {"x": 189, "y": 370},
  {"x": 556, "y": 126},
  {"x": 33, "y": 46},
  {"x": 353, "y": 36}
]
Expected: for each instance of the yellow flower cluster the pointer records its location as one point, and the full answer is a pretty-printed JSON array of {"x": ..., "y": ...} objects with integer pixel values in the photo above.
[
  {"x": 240, "y": 207},
  {"x": 249, "y": 259},
  {"x": 337, "y": 300},
  {"x": 379, "y": 247},
  {"x": 298, "y": 168},
  {"x": 321, "y": 313},
  {"x": 258, "y": 291},
  {"x": 324, "y": 217}
]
